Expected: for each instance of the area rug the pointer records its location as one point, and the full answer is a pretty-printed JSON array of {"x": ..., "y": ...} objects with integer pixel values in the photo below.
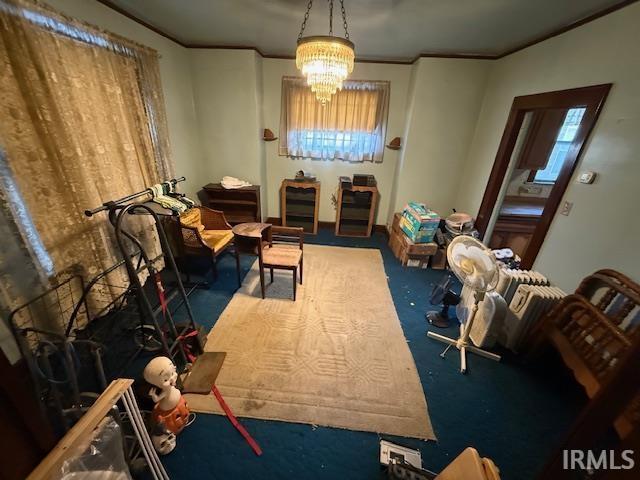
[{"x": 335, "y": 357}]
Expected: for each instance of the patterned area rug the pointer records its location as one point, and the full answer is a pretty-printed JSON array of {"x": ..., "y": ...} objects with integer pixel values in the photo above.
[{"x": 336, "y": 357}]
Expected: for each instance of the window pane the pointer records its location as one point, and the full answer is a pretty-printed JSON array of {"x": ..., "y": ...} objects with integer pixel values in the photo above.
[
  {"x": 333, "y": 142},
  {"x": 561, "y": 148}
]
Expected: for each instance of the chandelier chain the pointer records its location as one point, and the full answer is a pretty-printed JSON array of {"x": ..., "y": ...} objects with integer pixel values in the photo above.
[
  {"x": 330, "y": 17},
  {"x": 344, "y": 19},
  {"x": 306, "y": 17}
]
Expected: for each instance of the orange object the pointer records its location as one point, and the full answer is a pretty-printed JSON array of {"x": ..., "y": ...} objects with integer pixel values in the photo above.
[{"x": 173, "y": 420}]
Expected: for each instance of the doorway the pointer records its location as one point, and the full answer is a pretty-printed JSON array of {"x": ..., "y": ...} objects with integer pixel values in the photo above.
[{"x": 540, "y": 147}]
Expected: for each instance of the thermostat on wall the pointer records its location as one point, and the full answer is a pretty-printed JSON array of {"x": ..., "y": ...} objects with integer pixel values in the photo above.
[{"x": 587, "y": 177}]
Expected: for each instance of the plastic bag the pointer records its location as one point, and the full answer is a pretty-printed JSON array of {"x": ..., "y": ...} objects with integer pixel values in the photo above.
[{"x": 102, "y": 460}]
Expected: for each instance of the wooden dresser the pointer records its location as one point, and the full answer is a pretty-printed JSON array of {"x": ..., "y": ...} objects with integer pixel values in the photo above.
[
  {"x": 516, "y": 223},
  {"x": 240, "y": 205},
  {"x": 299, "y": 204}
]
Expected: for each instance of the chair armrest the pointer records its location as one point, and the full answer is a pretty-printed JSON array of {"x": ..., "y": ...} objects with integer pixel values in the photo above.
[
  {"x": 193, "y": 232},
  {"x": 288, "y": 234},
  {"x": 213, "y": 219}
]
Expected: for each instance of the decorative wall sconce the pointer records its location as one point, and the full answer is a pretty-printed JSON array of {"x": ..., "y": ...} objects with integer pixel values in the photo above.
[
  {"x": 268, "y": 136},
  {"x": 395, "y": 144}
]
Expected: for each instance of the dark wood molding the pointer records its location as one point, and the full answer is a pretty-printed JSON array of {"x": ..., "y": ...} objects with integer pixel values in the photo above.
[
  {"x": 568, "y": 27},
  {"x": 592, "y": 98},
  {"x": 464, "y": 56},
  {"x": 330, "y": 225},
  {"x": 458, "y": 55}
]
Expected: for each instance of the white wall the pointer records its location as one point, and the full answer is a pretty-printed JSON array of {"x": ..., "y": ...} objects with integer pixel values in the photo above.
[
  {"x": 602, "y": 229},
  {"x": 238, "y": 94},
  {"x": 176, "y": 82},
  {"x": 328, "y": 171},
  {"x": 226, "y": 88},
  {"x": 445, "y": 101}
]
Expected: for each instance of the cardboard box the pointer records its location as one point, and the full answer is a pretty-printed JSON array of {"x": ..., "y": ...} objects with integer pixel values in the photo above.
[
  {"x": 421, "y": 261},
  {"x": 395, "y": 226},
  {"x": 397, "y": 245},
  {"x": 419, "y": 223},
  {"x": 439, "y": 259},
  {"x": 410, "y": 254}
]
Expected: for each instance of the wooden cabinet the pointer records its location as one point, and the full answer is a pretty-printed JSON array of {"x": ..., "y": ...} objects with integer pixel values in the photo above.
[
  {"x": 299, "y": 204},
  {"x": 240, "y": 205},
  {"x": 355, "y": 210},
  {"x": 514, "y": 232}
]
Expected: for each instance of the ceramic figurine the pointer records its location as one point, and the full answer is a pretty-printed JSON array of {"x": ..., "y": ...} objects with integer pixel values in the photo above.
[{"x": 171, "y": 410}]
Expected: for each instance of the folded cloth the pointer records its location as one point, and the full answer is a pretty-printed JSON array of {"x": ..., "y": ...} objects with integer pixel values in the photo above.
[
  {"x": 233, "y": 182},
  {"x": 168, "y": 189},
  {"x": 166, "y": 201}
]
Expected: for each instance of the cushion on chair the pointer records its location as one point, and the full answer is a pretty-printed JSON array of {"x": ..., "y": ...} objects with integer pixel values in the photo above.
[
  {"x": 281, "y": 256},
  {"x": 216, "y": 240},
  {"x": 191, "y": 218}
]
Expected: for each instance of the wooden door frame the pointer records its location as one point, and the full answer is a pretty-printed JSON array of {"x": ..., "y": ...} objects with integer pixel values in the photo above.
[{"x": 592, "y": 98}]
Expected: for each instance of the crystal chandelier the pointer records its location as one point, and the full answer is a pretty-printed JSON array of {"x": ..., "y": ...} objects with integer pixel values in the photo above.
[{"x": 325, "y": 60}]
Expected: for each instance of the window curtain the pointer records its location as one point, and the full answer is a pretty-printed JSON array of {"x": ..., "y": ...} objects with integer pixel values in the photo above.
[
  {"x": 351, "y": 126},
  {"x": 83, "y": 122}
]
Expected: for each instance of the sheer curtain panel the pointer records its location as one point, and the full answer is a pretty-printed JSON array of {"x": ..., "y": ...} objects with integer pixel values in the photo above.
[
  {"x": 83, "y": 122},
  {"x": 351, "y": 127}
]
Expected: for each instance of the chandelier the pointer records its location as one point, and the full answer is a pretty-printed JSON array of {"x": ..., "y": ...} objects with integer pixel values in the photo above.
[{"x": 325, "y": 60}]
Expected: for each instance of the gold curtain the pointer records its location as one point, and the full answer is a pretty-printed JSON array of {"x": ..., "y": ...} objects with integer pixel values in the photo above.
[
  {"x": 352, "y": 126},
  {"x": 83, "y": 122}
]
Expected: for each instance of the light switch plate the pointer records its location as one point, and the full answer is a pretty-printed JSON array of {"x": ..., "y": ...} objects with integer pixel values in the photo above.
[
  {"x": 566, "y": 208},
  {"x": 587, "y": 177}
]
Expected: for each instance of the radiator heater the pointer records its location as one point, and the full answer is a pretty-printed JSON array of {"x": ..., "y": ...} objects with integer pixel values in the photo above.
[
  {"x": 528, "y": 305},
  {"x": 508, "y": 314}
]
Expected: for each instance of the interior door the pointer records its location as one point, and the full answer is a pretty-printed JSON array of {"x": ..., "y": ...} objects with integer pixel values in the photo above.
[{"x": 538, "y": 153}]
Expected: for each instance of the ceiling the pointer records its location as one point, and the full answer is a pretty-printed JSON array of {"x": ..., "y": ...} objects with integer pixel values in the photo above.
[{"x": 381, "y": 29}]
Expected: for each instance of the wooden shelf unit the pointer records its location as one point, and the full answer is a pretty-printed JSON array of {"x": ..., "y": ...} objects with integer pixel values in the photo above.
[
  {"x": 355, "y": 212},
  {"x": 240, "y": 205},
  {"x": 299, "y": 204}
]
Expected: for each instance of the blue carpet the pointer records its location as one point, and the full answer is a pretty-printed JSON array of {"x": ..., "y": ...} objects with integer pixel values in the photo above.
[{"x": 512, "y": 413}]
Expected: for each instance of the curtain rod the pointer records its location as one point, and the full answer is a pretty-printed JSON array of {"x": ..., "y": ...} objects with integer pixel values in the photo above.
[{"x": 46, "y": 17}]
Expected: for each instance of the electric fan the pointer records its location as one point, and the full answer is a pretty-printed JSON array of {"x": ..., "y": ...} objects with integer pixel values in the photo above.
[
  {"x": 476, "y": 267},
  {"x": 442, "y": 294}
]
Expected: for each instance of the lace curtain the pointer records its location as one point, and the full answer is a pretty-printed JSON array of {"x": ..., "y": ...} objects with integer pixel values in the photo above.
[
  {"x": 83, "y": 122},
  {"x": 352, "y": 126}
]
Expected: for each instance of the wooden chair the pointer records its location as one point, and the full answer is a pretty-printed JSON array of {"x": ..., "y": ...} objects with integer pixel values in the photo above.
[
  {"x": 277, "y": 248},
  {"x": 594, "y": 329},
  {"x": 204, "y": 232}
]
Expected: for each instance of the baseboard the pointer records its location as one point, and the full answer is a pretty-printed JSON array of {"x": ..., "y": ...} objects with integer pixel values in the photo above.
[{"x": 330, "y": 225}]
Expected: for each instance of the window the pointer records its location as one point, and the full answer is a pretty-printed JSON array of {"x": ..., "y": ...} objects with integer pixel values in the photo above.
[
  {"x": 350, "y": 127},
  {"x": 563, "y": 143}
]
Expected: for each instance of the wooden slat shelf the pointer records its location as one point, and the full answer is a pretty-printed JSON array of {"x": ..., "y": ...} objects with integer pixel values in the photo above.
[
  {"x": 356, "y": 207},
  {"x": 299, "y": 204},
  {"x": 240, "y": 205},
  {"x": 301, "y": 215},
  {"x": 231, "y": 201}
]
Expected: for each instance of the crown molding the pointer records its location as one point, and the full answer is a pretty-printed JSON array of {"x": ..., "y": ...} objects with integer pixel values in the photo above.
[
  {"x": 130, "y": 16},
  {"x": 568, "y": 27},
  {"x": 458, "y": 55}
]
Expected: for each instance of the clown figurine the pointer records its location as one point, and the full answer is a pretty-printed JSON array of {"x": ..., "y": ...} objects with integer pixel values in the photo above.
[{"x": 171, "y": 409}]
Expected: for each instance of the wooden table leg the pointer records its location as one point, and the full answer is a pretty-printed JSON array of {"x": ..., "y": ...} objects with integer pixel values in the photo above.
[
  {"x": 238, "y": 268},
  {"x": 295, "y": 282}
]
